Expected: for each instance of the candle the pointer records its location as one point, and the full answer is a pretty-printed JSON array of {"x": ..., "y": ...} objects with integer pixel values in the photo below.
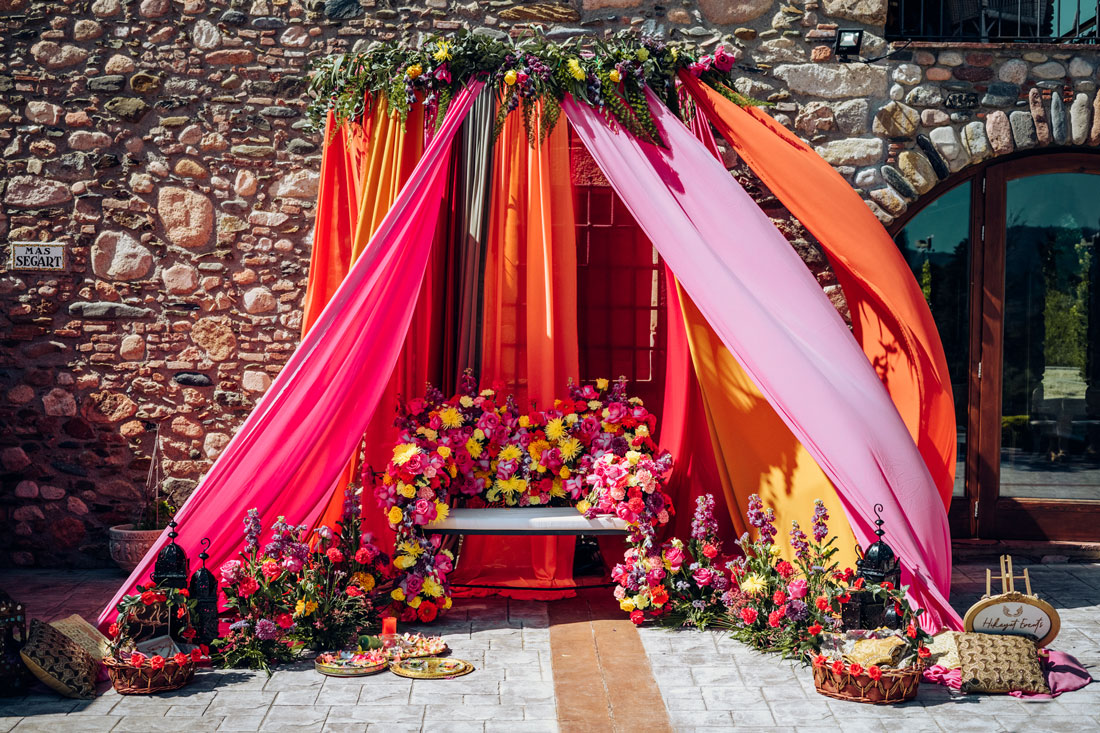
[{"x": 389, "y": 625}]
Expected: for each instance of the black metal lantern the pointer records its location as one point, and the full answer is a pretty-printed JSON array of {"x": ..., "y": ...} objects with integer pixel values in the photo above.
[
  {"x": 170, "y": 570},
  {"x": 15, "y": 678},
  {"x": 204, "y": 592},
  {"x": 876, "y": 566}
]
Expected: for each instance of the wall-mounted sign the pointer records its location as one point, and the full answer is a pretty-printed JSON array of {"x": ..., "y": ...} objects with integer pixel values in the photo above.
[
  {"x": 37, "y": 256},
  {"x": 1012, "y": 612}
]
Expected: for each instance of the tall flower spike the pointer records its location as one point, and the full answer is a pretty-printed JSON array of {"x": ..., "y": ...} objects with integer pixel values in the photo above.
[{"x": 821, "y": 516}]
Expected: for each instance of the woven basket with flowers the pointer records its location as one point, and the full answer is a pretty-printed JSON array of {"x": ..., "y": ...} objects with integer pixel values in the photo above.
[
  {"x": 850, "y": 681},
  {"x": 151, "y": 612}
]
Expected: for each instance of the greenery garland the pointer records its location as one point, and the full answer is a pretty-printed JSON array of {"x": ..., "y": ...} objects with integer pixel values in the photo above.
[{"x": 533, "y": 72}]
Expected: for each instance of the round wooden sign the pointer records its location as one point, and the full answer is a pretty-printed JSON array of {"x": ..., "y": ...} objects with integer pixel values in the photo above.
[{"x": 1014, "y": 613}]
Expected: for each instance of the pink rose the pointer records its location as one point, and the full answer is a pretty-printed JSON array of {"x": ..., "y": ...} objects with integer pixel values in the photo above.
[
  {"x": 703, "y": 577},
  {"x": 413, "y": 584},
  {"x": 797, "y": 589},
  {"x": 424, "y": 507},
  {"x": 231, "y": 571},
  {"x": 443, "y": 563},
  {"x": 723, "y": 59},
  {"x": 521, "y": 78},
  {"x": 616, "y": 411},
  {"x": 675, "y": 557}
]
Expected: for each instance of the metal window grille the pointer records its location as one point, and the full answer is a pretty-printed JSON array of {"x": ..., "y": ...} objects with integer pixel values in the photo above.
[{"x": 1034, "y": 21}]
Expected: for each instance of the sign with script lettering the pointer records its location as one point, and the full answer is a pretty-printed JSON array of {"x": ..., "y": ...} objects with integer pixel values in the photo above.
[
  {"x": 1014, "y": 613},
  {"x": 37, "y": 256}
]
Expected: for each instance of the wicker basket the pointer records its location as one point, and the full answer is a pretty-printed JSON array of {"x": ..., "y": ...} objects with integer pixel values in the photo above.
[
  {"x": 144, "y": 680},
  {"x": 894, "y": 686},
  {"x": 157, "y": 619}
]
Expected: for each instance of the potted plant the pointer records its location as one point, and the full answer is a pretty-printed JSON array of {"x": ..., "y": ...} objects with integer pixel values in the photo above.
[{"x": 129, "y": 542}]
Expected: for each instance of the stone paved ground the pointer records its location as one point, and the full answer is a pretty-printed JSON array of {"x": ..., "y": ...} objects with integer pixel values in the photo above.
[{"x": 706, "y": 680}]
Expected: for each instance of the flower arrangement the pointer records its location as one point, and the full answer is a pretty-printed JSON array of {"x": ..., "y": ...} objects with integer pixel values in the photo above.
[
  {"x": 531, "y": 72},
  {"x": 290, "y": 595},
  {"x": 780, "y": 606},
  {"x": 479, "y": 449},
  {"x": 149, "y": 613}
]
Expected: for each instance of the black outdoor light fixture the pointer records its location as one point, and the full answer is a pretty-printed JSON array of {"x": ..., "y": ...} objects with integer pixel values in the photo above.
[
  {"x": 847, "y": 43},
  {"x": 876, "y": 566},
  {"x": 170, "y": 569},
  {"x": 204, "y": 592}
]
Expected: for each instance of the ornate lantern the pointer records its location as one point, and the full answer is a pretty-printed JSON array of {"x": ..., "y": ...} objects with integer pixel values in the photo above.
[
  {"x": 15, "y": 678},
  {"x": 170, "y": 570},
  {"x": 204, "y": 592},
  {"x": 876, "y": 566}
]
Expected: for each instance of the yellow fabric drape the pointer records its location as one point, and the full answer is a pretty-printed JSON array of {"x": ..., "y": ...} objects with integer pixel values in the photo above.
[
  {"x": 530, "y": 331},
  {"x": 755, "y": 450}
]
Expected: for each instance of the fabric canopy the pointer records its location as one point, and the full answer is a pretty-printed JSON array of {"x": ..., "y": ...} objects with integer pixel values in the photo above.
[
  {"x": 285, "y": 457},
  {"x": 890, "y": 317},
  {"x": 771, "y": 314}
]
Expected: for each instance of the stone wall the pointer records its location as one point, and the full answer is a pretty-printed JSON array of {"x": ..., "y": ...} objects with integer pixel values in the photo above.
[{"x": 164, "y": 142}]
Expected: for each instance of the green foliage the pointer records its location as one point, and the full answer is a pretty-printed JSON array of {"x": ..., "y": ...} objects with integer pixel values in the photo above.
[{"x": 531, "y": 72}]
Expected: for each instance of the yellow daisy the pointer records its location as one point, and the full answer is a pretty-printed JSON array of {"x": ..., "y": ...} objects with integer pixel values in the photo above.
[
  {"x": 555, "y": 429},
  {"x": 451, "y": 418},
  {"x": 510, "y": 452},
  {"x": 570, "y": 449},
  {"x": 403, "y": 452}
]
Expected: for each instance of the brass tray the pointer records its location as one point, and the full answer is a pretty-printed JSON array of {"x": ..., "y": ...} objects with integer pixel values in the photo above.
[
  {"x": 431, "y": 668},
  {"x": 345, "y": 664}
]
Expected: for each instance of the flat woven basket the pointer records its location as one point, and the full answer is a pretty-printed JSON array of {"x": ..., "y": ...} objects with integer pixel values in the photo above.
[
  {"x": 144, "y": 680},
  {"x": 895, "y": 685}
]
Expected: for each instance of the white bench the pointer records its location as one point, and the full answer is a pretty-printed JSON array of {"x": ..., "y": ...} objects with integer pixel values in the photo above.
[{"x": 556, "y": 520}]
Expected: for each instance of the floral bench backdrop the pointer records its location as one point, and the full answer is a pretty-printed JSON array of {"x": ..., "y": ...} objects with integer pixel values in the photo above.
[{"x": 593, "y": 450}]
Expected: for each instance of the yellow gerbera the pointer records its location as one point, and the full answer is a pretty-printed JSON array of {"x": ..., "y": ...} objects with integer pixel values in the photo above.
[
  {"x": 575, "y": 70},
  {"x": 555, "y": 429},
  {"x": 510, "y": 452},
  {"x": 403, "y": 452},
  {"x": 753, "y": 584},
  {"x": 473, "y": 447},
  {"x": 395, "y": 515},
  {"x": 451, "y": 418},
  {"x": 410, "y": 548},
  {"x": 441, "y": 511}
]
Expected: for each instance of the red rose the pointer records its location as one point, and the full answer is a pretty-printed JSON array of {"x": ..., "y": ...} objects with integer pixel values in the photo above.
[
  {"x": 335, "y": 555},
  {"x": 855, "y": 668},
  {"x": 637, "y": 617},
  {"x": 112, "y": 630},
  {"x": 749, "y": 615},
  {"x": 820, "y": 660},
  {"x": 181, "y": 612},
  {"x": 822, "y": 603},
  {"x": 844, "y": 598},
  {"x": 157, "y": 662},
  {"x": 847, "y": 574},
  {"x": 911, "y": 631},
  {"x": 427, "y": 612},
  {"x": 874, "y": 673},
  {"x": 204, "y": 649},
  {"x": 779, "y": 598},
  {"x": 149, "y": 598},
  {"x": 188, "y": 633},
  {"x": 887, "y": 585},
  {"x": 814, "y": 629},
  {"x": 180, "y": 659},
  {"x": 858, "y": 584},
  {"x": 924, "y": 652},
  {"x": 196, "y": 655},
  {"x": 710, "y": 551},
  {"x": 137, "y": 659},
  {"x": 184, "y": 592},
  {"x": 284, "y": 620},
  {"x": 838, "y": 666}
]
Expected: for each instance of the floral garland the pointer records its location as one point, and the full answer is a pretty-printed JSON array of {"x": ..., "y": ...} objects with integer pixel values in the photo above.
[
  {"x": 593, "y": 450},
  {"x": 530, "y": 72}
]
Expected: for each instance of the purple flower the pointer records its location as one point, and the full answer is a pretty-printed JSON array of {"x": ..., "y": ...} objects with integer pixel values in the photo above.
[
  {"x": 797, "y": 611},
  {"x": 239, "y": 625},
  {"x": 763, "y": 521},
  {"x": 266, "y": 629},
  {"x": 798, "y": 541},
  {"x": 821, "y": 516},
  {"x": 252, "y": 529},
  {"x": 703, "y": 524}
]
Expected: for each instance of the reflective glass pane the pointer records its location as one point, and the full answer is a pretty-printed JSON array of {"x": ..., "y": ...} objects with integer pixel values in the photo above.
[
  {"x": 1050, "y": 424},
  {"x": 936, "y": 244}
]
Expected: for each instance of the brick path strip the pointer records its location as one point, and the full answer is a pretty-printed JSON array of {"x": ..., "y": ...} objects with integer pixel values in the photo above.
[{"x": 602, "y": 677}]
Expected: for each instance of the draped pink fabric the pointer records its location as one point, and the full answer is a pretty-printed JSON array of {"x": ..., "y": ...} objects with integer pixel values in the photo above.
[
  {"x": 285, "y": 457},
  {"x": 771, "y": 314}
]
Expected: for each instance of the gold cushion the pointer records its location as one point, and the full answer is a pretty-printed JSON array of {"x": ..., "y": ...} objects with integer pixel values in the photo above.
[
  {"x": 999, "y": 663},
  {"x": 944, "y": 650},
  {"x": 86, "y": 636},
  {"x": 59, "y": 662},
  {"x": 881, "y": 652}
]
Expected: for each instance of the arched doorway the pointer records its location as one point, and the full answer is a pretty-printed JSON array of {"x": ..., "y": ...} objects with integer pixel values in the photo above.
[{"x": 1006, "y": 254}]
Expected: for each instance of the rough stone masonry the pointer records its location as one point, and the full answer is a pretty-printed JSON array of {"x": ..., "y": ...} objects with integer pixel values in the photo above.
[{"x": 164, "y": 143}]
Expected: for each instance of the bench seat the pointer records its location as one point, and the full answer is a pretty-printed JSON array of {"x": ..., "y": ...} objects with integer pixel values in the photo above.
[{"x": 558, "y": 520}]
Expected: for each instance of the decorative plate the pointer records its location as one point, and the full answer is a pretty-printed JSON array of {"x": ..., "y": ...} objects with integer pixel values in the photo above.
[
  {"x": 417, "y": 646},
  {"x": 350, "y": 664},
  {"x": 431, "y": 668}
]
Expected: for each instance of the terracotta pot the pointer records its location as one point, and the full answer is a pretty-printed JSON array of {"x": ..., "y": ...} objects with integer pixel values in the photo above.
[{"x": 129, "y": 545}]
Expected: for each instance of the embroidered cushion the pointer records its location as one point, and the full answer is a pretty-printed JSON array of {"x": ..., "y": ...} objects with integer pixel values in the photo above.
[
  {"x": 59, "y": 662},
  {"x": 999, "y": 663}
]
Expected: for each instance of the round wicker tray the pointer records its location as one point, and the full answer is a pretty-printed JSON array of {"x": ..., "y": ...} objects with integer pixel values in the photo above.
[{"x": 894, "y": 686}]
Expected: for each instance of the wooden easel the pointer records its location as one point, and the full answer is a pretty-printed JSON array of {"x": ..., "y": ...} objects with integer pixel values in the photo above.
[{"x": 1007, "y": 578}]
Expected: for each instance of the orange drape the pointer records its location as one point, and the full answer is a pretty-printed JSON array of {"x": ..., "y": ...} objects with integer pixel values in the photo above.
[
  {"x": 756, "y": 451},
  {"x": 392, "y": 149},
  {"x": 890, "y": 318},
  {"x": 530, "y": 331}
]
